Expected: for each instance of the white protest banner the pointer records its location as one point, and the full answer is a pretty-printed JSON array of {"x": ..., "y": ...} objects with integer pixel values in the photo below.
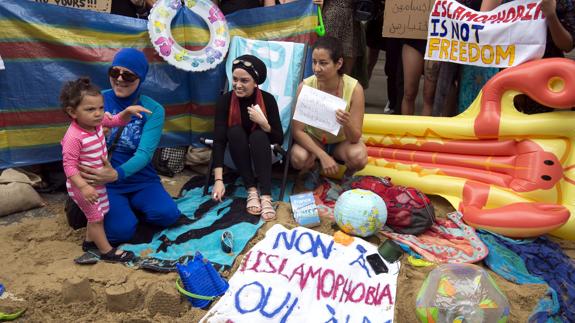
[
  {"x": 507, "y": 36},
  {"x": 317, "y": 108},
  {"x": 94, "y": 5},
  {"x": 301, "y": 275}
]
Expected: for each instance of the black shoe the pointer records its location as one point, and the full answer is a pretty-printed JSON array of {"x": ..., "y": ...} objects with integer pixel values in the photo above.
[
  {"x": 89, "y": 246},
  {"x": 111, "y": 256}
]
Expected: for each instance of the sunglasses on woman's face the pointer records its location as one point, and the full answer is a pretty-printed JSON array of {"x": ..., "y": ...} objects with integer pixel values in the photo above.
[
  {"x": 246, "y": 64},
  {"x": 126, "y": 76}
]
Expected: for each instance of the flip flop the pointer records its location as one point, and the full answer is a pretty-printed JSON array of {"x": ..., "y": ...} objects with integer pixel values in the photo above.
[
  {"x": 227, "y": 242},
  {"x": 88, "y": 258}
]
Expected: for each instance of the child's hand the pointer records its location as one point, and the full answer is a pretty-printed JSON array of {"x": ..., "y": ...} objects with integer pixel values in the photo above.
[
  {"x": 133, "y": 110},
  {"x": 90, "y": 194}
]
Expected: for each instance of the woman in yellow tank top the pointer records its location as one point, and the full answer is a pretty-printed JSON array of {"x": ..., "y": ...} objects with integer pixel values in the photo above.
[{"x": 310, "y": 143}]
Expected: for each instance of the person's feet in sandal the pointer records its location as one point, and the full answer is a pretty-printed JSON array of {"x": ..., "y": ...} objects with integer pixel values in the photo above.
[
  {"x": 116, "y": 255},
  {"x": 253, "y": 205},
  {"x": 268, "y": 210},
  {"x": 89, "y": 246}
]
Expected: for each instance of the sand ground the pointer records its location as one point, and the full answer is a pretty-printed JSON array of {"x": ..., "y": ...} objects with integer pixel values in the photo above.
[{"x": 37, "y": 249}]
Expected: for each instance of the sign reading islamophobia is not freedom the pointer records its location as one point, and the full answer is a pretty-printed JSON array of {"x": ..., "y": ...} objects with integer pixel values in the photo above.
[
  {"x": 509, "y": 35},
  {"x": 301, "y": 275}
]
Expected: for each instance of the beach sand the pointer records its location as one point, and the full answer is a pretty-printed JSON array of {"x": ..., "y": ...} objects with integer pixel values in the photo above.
[{"x": 37, "y": 249}]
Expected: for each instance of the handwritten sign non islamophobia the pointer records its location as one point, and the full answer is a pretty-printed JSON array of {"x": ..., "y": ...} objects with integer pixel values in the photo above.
[
  {"x": 301, "y": 275},
  {"x": 317, "y": 108},
  {"x": 94, "y": 5},
  {"x": 507, "y": 36},
  {"x": 406, "y": 18}
]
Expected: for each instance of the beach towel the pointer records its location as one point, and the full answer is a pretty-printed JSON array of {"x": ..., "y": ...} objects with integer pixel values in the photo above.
[
  {"x": 208, "y": 220},
  {"x": 534, "y": 262},
  {"x": 447, "y": 241}
]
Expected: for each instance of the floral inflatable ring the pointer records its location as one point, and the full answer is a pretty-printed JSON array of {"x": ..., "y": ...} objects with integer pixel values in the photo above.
[{"x": 159, "y": 28}]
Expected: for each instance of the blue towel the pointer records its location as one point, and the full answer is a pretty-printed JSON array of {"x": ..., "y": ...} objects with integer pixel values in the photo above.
[
  {"x": 208, "y": 222},
  {"x": 538, "y": 261}
]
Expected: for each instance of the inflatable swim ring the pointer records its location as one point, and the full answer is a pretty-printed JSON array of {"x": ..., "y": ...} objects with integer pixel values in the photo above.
[{"x": 159, "y": 28}]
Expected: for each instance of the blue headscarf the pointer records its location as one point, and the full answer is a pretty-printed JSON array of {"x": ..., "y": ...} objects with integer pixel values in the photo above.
[{"x": 135, "y": 61}]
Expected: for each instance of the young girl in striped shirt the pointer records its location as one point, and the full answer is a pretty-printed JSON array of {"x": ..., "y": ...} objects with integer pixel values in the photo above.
[{"x": 85, "y": 144}]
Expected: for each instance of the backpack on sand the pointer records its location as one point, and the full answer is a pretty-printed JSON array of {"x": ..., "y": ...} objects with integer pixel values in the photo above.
[{"x": 409, "y": 211}]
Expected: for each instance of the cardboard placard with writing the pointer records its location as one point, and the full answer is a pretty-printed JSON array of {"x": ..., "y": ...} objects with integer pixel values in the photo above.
[
  {"x": 94, "y": 5},
  {"x": 406, "y": 18}
]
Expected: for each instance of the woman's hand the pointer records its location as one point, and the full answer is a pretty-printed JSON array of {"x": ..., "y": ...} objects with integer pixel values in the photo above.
[
  {"x": 318, "y": 2},
  {"x": 133, "y": 110},
  {"x": 101, "y": 176},
  {"x": 218, "y": 190},
  {"x": 328, "y": 165},
  {"x": 257, "y": 116},
  {"x": 342, "y": 117}
]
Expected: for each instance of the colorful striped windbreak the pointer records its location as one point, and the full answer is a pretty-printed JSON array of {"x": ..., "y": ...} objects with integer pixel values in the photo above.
[{"x": 44, "y": 45}]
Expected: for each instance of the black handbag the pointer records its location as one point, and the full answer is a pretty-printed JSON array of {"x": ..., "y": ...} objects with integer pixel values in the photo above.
[{"x": 75, "y": 215}]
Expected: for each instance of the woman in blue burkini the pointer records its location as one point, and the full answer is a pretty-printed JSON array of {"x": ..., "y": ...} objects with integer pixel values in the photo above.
[{"x": 132, "y": 182}]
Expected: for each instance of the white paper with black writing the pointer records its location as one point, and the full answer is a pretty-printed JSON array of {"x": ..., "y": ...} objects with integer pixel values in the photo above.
[
  {"x": 301, "y": 275},
  {"x": 317, "y": 108},
  {"x": 2, "y": 67}
]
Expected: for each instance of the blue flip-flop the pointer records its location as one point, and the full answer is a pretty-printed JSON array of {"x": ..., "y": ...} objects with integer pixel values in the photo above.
[{"x": 227, "y": 242}]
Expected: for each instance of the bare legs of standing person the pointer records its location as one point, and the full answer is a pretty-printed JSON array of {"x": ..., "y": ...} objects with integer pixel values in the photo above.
[{"x": 413, "y": 67}]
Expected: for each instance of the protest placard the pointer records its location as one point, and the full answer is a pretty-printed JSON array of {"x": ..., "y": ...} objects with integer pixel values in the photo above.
[
  {"x": 507, "y": 36},
  {"x": 317, "y": 108},
  {"x": 94, "y": 5},
  {"x": 301, "y": 275},
  {"x": 406, "y": 18}
]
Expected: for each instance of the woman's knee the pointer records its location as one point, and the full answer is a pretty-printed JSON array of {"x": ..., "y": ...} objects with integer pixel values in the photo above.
[
  {"x": 236, "y": 132},
  {"x": 357, "y": 157},
  {"x": 163, "y": 214},
  {"x": 300, "y": 158},
  {"x": 259, "y": 137},
  {"x": 410, "y": 93},
  {"x": 118, "y": 233}
]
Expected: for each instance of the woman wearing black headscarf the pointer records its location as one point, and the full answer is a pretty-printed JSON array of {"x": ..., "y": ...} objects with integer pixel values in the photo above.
[{"x": 247, "y": 121}]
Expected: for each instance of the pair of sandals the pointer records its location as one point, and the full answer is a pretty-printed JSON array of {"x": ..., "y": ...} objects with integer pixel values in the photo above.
[
  {"x": 92, "y": 255},
  {"x": 261, "y": 206}
]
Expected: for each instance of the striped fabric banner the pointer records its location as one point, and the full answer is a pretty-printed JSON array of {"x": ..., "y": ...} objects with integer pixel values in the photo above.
[{"x": 44, "y": 45}]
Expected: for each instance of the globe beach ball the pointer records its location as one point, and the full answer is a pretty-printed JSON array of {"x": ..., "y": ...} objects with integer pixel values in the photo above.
[{"x": 360, "y": 212}]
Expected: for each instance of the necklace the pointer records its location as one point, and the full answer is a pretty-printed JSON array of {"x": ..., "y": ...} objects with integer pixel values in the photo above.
[{"x": 331, "y": 92}]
